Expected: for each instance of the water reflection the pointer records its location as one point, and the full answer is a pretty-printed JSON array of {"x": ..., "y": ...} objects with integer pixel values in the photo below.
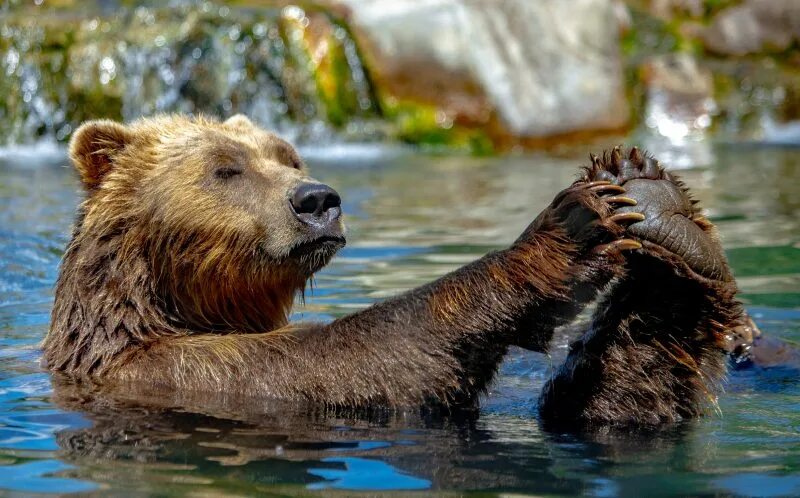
[
  {"x": 259, "y": 442},
  {"x": 412, "y": 218}
]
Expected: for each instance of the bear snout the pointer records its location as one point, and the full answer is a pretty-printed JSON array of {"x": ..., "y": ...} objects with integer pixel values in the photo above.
[{"x": 316, "y": 204}]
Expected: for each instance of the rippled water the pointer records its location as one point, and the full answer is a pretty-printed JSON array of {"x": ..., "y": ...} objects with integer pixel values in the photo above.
[{"x": 411, "y": 218}]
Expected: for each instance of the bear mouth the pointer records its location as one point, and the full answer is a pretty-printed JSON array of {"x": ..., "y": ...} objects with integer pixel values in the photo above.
[{"x": 318, "y": 247}]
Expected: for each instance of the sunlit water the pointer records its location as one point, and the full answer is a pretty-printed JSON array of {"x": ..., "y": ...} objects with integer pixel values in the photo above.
[{"x": 411, "y": 219}]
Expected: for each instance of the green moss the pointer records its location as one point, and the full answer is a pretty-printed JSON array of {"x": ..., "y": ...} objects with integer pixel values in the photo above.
[
  {"x": 417, "y": 123},
  {"x": 649, "y": 35},
  {"x": 317, "y": 59}
]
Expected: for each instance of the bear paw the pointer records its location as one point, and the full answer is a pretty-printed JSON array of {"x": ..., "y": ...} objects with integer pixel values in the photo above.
[
  {"x": 589, "y": 212},
  {"x": 671, "y": 220}
]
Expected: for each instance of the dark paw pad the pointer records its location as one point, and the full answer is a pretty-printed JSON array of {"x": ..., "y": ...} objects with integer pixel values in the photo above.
[
  {"x": 672, "y": 220},
  {"x": 669, "y": 223}
]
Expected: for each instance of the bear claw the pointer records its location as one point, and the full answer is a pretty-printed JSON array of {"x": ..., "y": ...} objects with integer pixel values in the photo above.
[
  {"x": 621, "y": 200},
  {"x": 665, "y": 215},
  {"x": 605, "y": 187},
  {"x": 618, "y": 245},
  {"x": 626, "y": 217}
]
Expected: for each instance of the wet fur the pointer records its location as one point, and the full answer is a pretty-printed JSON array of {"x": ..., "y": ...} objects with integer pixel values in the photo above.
[
  {"x": 133, "y": 254},
  {"x": 655, "y": 352},
  {"x": 173, "y": 282}
]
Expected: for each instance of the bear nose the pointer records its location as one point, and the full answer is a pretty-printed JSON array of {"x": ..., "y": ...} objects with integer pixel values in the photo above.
[{"x": 316, "y": 203}]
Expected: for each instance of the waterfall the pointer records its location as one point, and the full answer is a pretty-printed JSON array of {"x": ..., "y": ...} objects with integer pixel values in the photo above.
[{"x": 294, "y": 71}]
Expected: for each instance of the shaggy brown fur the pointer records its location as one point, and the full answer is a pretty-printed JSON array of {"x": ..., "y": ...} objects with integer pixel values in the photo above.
[
  {"x": 178, "y": 277},
  {"x": 184, "y": 263},
  {"x": 655, "y": 351}
]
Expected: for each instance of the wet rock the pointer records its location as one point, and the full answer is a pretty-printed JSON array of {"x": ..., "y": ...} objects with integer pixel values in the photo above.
[
  {"x": 323, "y": 51},
  {"x": 755, "y": 26},
  {"x": 668, "y": 9},
  {"x": 679, "y": 95},
  {"x": 759, "y": 101},
  {"x": 686, "y": 94},
  {"x": 678, "y": 108},
  {"x": 533, "y": 69}
]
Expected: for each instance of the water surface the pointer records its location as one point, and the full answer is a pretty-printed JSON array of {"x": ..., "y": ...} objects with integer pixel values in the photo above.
[{"x": 411, "y": 218}]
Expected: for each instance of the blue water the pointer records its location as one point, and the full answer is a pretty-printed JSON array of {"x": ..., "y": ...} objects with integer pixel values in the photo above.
[{"x": 411, "y": 219}]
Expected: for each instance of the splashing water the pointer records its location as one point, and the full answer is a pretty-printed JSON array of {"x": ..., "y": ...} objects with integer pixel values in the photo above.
[{"x": 296, "y": 72}]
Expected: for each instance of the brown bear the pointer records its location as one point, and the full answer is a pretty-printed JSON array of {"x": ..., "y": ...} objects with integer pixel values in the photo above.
[{"x": 196, "y": 235}]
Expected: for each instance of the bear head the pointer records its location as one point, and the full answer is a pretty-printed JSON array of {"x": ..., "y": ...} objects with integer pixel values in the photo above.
[{"x": 218, "y": 222}]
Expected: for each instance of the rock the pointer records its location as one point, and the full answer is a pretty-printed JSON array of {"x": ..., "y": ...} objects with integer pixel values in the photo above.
[
  {"x": 755, "y": 26},
  {"x": 678, "y": 108},
  {"x": 539, "y": 68},
  {"x": 668, "y": 9},
  {"x": 759, "y": 101},
  {"x": 679, "y": 94},
  {"x": 323, "y": 50}
]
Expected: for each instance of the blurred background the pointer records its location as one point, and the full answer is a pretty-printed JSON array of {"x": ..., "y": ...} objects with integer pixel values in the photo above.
[
  {"x": 483, "y": 77},
  {"x": 446, "y": 125}
]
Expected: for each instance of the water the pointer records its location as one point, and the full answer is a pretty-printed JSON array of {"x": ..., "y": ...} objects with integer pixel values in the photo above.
[{"x": 411, "y": 218}]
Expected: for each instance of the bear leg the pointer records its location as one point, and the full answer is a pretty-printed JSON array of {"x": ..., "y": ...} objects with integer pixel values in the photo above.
[{"x": 656, "y": 349}]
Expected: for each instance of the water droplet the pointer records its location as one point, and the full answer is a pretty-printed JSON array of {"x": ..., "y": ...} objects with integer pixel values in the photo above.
[
  {"x": 443, "y": 120},
  {"x": 197, "y": 53},
  {"x": 108, "y": 70},
  {"x": 259, "y": 30},
  {"x": 293, "y": 12},
  {"x": 63, "y": 132},
  {"x": 12, "y": 60},
  {"x": 702, "y": 121},
  {"x": 107, "y": 64}
]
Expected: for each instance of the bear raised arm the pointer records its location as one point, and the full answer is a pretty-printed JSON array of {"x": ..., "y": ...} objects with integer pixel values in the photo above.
[
  {"x": 195, "y": 236},
  {"x": 653, "y": 353}
]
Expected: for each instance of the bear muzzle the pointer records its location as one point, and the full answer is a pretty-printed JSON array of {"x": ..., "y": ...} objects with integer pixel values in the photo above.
[
  {"x": 318, "y": 207},
  {"x": 316, "y": 204}
]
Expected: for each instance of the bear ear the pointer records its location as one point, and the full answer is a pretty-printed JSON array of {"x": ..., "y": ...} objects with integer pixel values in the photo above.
[
  {"x": 239, "y": 121},
  {"x": 93, "y": 147}
]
